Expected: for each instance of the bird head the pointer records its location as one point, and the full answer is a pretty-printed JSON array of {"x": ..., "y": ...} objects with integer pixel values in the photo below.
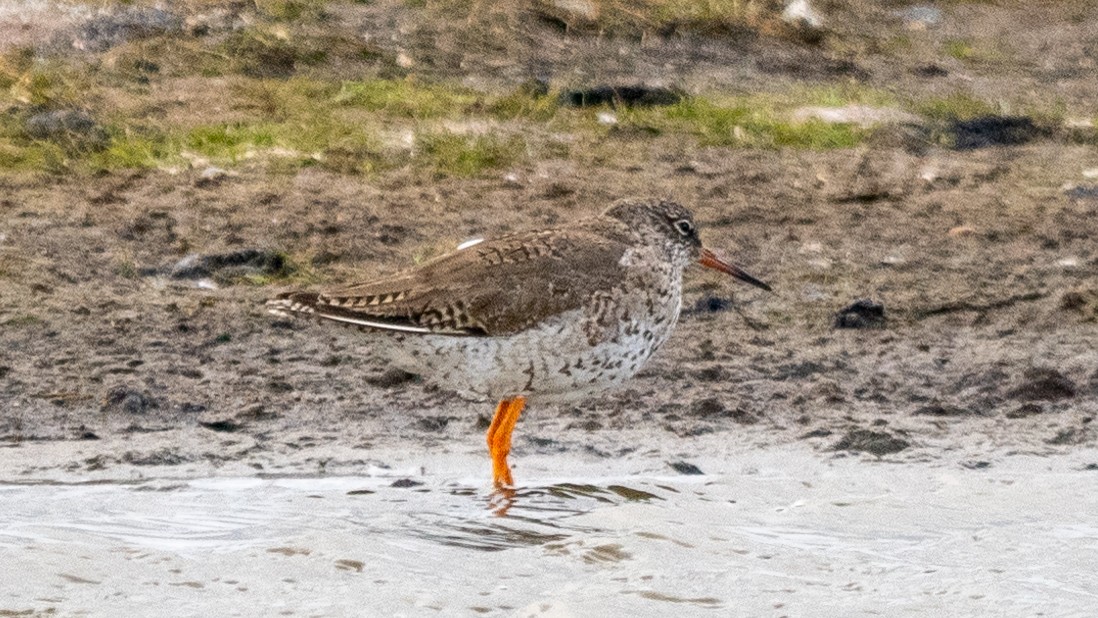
[{"x": 673, "y": 225}]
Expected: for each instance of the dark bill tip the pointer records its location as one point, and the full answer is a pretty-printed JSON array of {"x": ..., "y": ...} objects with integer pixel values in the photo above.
[{"x": 710, "y": 260}]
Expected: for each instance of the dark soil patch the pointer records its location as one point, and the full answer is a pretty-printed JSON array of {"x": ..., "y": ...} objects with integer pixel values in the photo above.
[
  {"x": 878, "y": 443},
  {"x": 1044, "y": 384},
  {"x": 987, "y": 131}
]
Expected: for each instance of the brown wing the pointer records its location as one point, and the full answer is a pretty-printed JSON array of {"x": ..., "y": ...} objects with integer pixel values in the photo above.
[{"x": 496, "y": 287}]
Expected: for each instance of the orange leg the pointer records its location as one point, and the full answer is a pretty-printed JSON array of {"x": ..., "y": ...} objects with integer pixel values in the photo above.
[{"x": 499, "y": 438}]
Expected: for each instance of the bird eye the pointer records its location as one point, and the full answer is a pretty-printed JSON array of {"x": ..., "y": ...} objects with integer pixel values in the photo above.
[{"x": 685, "y": 227}]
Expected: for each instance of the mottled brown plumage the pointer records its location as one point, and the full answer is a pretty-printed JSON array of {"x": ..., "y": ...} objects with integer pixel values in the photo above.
[
  {"x": 548, "y": 315},
  {"x": 532, "y": 276}
]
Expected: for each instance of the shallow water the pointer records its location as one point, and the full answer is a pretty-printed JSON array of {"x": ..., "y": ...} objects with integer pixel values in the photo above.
[{"x": 791, "y": 535}]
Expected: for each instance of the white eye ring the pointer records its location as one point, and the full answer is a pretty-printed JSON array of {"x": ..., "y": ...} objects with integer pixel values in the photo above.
[{"x": 684, "y": 227}]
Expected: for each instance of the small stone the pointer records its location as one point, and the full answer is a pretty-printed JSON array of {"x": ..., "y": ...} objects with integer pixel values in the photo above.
[
  {"x": 583, "y": 9},
  {"x": 800, "y": 13},
  {"x": 391, "y": 377},
  {"x": 112, "y": 28},
  {"x": 70, "y": 128},
  {"x": 863, "y": 313},
  {"x": 683, "y": 467},
  {"x": 128, "y": 400},
  {"x": 937, "y": 409},
  {"x": 434, "y": 424},
  {"x": 405, "y": 483},
  {"x": 405, "y": 61},
  {"x": 878, "y": 443},
  {"x": 976, "y": 465},
  {"x": 211, "y": 176},
  {"x": 987, "y": 131},
  {"x": 920, "y": 17},
  {"x": 50, "y": 124},
  {"x": 1081, "y": 192},
  {"x": 711, "y": 304},
  {"x": 220, "y": 424},
  {"x": 708, "y": 407},
  {"x": 607, "y": 118},
  {"x": 637, "y": 95}
]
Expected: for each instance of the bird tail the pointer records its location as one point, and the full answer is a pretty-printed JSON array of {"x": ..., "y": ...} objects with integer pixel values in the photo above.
[{"x": 293, "y": 304}]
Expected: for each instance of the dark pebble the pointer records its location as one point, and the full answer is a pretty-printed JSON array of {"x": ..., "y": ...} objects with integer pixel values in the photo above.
[
  {"x": 930, "y": 70},
  {"x": 708, "y": 407},
  {"x": 223, "y": 425},
  {"x": 391, "y": 377},
  {"x": 937, "y": 409},
  {"x": 987, "y": 131},
  {"x": 1083, "y": 192},
  {"x": 863, "y": 313},
  {"x": 685, "y": 468},
  {"x": 878, "y": 443},
  {"x": 128, "y": 400},
  {"x": 404, "y": 483},
  {"x": 108, "y": 30},
  {"x": 434, "y": 423},
  {"x": 638, "y": 96},
  {"x": 711, "y": 374},
  {"x": 1026, "y": 409},
  {"x": 711, "y": 304}
]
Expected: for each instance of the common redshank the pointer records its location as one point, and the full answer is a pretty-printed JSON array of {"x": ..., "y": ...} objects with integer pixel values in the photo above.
[{"x": 544, "y": 316}]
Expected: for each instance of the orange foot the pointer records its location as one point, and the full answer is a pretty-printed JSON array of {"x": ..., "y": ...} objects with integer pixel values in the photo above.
[{"x": 499, "y": 439}]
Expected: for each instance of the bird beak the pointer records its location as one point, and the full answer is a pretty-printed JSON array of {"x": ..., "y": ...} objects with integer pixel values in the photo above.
[{"x": 710, "y": 260}]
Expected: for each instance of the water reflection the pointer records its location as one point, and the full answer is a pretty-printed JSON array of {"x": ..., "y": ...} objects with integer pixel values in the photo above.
[{"x": 522, "y": 517}]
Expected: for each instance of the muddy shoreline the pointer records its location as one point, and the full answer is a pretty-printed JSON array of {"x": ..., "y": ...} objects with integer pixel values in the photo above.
[{"x": 132, "y": 333}]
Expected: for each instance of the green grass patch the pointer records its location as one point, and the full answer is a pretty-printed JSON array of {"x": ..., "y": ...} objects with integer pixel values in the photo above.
[
  {"x": 407, "y": 98},
  {"x": 743, "y": 122},
  {"x": 131, "y": 148},
  {"x": 292, "y": 10},
  {"x": 956, "y": 106},
  {"x": 25, "y": 319},
  {"x": 527, "y": 102},
  {"x": 961, "y": 50},
  {"x": 451, "y": 154},
  {"x": 977, "y": 52},
  {"x": 228, "y": 142},
  {"x": 42, "y": 83},
  {"x": 838, "y": 95}
]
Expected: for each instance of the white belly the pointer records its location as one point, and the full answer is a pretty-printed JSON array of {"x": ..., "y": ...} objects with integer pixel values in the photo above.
[{"x": 553, "y": 362}]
